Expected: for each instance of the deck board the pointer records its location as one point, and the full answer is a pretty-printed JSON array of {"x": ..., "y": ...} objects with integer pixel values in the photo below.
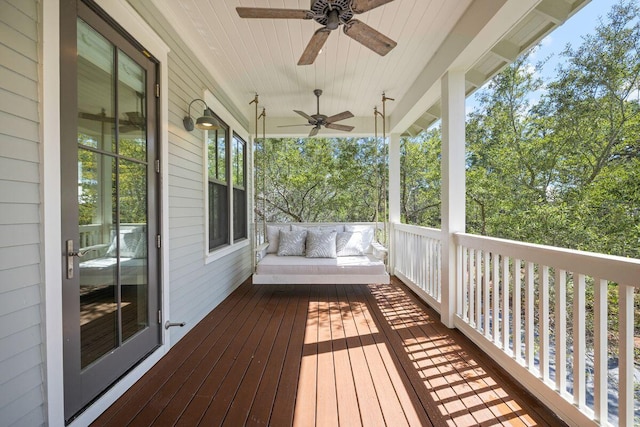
[
  {"x": 348, "y": 408},
  {"x": 344, "y": 355}
]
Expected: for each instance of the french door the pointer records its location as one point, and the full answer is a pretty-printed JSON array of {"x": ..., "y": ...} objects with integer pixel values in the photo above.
[{"x": 109, "y": 203}]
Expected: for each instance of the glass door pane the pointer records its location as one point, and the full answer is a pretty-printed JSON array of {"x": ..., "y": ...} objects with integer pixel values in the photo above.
[
  {"x": 133, "y": 247},
  {"x": 97, "y": 167}
]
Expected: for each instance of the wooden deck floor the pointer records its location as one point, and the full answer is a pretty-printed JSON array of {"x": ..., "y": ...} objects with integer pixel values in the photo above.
[{"x": 323, "y": 355}]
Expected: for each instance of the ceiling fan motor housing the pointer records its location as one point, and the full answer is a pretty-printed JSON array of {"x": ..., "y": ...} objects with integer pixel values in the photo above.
[{"x": 322, "y": 10}]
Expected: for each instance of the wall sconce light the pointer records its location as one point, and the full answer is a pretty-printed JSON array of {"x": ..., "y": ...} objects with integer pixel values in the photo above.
[{"x": 205, "y": 122}]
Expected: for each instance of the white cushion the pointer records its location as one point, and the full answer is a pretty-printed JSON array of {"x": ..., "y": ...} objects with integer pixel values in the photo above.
[
  {"x": 292, "y": 243},
  {"x": 367, "y": 235},
  {"x": 349, "y": 243},
  {"x": 321, "y": 244},
  {"x": 102, "y": 271},
  {"x": 273, "y": 237},
  {"x": 364, "y": 264}
]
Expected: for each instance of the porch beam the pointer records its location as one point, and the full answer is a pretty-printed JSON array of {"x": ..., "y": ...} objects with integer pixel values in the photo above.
[
  {"x": 414, "y": 130},
  {"x": 425, "y": 121},
  {"x": 453, "y": 185},
  {"x": 557, "y": 11},
  {"x": 506, "y": 51},
  {"x": 476, "y": 78},
  {"x": 435, "y": 110}
]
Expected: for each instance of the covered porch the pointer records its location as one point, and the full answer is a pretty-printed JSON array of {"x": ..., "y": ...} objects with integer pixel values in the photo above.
[
  {"x": 496, "y": 293},
  {"x": 472, "y": 330}
]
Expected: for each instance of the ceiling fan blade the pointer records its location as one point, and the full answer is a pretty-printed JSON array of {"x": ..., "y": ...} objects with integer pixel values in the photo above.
[
  {"x": 290, "y": 126},
  {"x": 361, "y": 6},
  {"x": 273, "y": 13},
  {"x": 374, "y": 40},
  {"x": 339, "y": 127},
  {"x": 315, "y": 45},
  {"x": 314, "y": 131},
  {"x": 96, "y": 117},
  {"x": 340, "y": 116},
  {"x": 305, "y": 115}
]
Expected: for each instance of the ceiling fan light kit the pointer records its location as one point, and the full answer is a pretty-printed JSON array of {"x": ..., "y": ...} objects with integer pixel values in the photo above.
[{"x": 330, "y": 14}]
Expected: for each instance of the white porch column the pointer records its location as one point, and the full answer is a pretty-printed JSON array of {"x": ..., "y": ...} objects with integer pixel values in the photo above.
[
  {"x": 453, "y": 185},
  {"x": 394, "y": 192}
]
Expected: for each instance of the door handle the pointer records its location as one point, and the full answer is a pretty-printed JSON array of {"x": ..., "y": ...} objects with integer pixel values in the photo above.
[{"x": 72, "y": 253}]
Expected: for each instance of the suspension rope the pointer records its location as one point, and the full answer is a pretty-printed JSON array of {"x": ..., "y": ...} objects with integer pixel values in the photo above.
[
  {"x": 263, "y": 116},
  {"x": 385, "y": 154},
  {"x": 254, "y": 168}
]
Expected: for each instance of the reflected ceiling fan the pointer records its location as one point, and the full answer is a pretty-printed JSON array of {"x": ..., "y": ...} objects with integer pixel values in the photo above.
[
  {"x": 318, "y": 120},
  {"x": 330, "y": 14},
  {"x": 134, "y": 121}
]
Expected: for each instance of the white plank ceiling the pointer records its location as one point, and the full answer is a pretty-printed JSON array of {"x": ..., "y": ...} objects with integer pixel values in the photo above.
[{"x": 249, "y": 56}]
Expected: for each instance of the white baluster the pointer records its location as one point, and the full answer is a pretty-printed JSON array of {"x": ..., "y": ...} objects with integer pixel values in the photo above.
[
  {"x": 579, "y": 341},
  {"x": 600, "y": 344},
  {"x": 561, "y": 330},
  {"x": 626, "y": 397},
  {"x": 543, "y": 313},
  {"x": 505, "y": 303},
  {"x": 529, "y": 344},
  {"x": 517, "y": 310}
]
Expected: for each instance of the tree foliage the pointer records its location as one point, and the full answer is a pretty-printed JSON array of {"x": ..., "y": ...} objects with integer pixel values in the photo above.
[
  {"x": 563, "y": 171},
  {"x": 319, "y": 179}
]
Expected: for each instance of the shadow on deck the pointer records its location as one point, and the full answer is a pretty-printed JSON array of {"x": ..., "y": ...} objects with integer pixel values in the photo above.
[{"x": 325, "y": 355}]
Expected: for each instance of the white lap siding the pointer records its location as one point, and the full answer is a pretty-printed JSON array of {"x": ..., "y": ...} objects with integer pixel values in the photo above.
[{"x": 21, "y": 284}]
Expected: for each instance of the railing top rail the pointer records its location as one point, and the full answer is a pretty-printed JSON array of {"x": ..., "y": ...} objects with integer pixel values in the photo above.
[
  {"x": 625, "y": 271},
  {"x": 432, "y": 233}
]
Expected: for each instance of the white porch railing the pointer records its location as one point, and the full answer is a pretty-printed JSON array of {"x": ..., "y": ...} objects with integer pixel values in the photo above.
[
  {"x": 417, "y": 260},
  {"x": 546, "y": 314}
]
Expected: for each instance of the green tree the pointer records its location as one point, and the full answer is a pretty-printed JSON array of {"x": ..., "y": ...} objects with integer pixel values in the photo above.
[
  {"x": 420, "y": 179},
  {"x": 319, "y": 179}
]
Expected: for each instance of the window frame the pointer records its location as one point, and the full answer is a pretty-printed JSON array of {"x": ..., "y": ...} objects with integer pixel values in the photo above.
[
  {"x": 235, "y": 138},
  {"x": 235, "y": 128},
  {"x": 222, "y": 181}
]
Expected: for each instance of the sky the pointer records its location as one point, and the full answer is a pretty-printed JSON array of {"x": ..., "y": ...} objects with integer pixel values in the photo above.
[{"x": 580, "y": 24}]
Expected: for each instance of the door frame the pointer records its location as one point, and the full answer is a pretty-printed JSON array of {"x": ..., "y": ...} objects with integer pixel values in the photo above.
[{"x": 50, "y": 52}]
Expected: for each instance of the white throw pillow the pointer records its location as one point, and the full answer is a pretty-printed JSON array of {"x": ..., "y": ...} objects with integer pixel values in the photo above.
[
  {"x": 273, "y": 237},
  {"x": 321, "y": 244},
  {"x": 292, "y": 243},
  {"x": 367, "y": 235},
  {"x": 349, "y": 243}
]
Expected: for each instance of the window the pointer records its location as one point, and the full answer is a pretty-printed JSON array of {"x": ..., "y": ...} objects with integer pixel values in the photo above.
[
  {"x": 218, "y": 185},
  {"x": 239, "y": 189}
]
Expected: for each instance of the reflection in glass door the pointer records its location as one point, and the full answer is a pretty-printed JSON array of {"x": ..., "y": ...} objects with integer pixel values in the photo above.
[{"x": 111, "y": 286}]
